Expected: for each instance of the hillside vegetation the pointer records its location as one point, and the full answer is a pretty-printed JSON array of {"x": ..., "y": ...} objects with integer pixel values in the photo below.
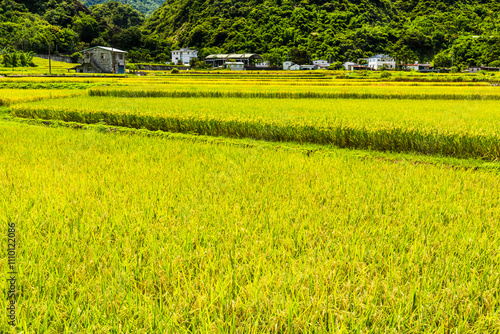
[
  {"x": 146, "y": 7},
  {"x": 340, "y": 30},
  {"x": 450, "y": 33}
]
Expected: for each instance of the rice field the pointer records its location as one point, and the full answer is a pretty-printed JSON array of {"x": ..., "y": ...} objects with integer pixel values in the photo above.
[
  {"x": 246, "y": 214},
  {"x": 10, "y": 96},
  {"x": 467, "y": 129}
]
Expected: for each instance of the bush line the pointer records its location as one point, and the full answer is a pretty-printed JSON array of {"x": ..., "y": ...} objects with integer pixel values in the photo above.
[
  {"x": 459, "y": 145},
  {"x": 284, "y": 95}
]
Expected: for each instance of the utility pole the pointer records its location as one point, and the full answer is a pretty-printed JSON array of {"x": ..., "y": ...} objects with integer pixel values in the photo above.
[
  {"x": 112, "y": 61},
  {"x": 50, "y": 60}
]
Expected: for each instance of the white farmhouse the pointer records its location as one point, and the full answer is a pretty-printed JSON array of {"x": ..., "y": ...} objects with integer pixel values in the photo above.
[
  {"x": 349, "y": 65},
  {"x": 291, "y": 66},
  {"x": 287, "y": 64},
  {"x": 379, "y": 61},
  {"x": 320, "y": 63},
  {"x": 184, "y": 55}
]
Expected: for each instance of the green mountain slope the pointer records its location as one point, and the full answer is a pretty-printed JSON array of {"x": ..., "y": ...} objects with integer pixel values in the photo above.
[
  {"x": 147, "y": 7},
  {"x": 31, "y": 25},
  {"x": 340, "y": 30},
  {"x": 66, "y": 25},
  {"x": 117, "y": 14}
]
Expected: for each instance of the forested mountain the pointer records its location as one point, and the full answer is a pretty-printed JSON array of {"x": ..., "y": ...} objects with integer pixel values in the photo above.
[
  {"x": 67, "y": 26},
  {"x": 464, "y": 31},
  {"x": 147, "y": 7},
  {"x": 118, "y": 14},
  {"x": 461, "y": 32}
]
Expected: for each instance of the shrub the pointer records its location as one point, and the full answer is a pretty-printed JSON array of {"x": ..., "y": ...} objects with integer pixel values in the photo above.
[
  {"x": 175, "y": 71},
  {"x": 385, "y": 74},
  {"x": 495, "y": 63},
  {"x": 76, "y": 57},
  {"x": 335, "y": 66}
]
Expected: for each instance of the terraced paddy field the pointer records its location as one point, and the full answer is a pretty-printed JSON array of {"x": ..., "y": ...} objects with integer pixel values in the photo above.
[
  {"x": 250, "y": 218},
  {"x": 453, "y": 128},
  {"x": 11, "y": 96}
]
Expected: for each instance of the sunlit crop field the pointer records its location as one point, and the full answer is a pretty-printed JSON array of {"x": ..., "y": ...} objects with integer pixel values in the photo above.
[
  {"x": 456, "y": 128},
  {"x": 241, "y": 213},
  {"x": 137, "y": 234},
  {"x": 280, "y": 89},
  {"x": 9, "y": 96}
]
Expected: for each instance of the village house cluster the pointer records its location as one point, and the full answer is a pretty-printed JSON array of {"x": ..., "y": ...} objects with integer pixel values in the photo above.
[{"x": 102, "y": 59}]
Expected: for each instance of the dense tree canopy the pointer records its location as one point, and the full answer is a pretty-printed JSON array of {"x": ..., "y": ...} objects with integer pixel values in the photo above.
[
  {"x": 465, "y": 32},
  {"x": 118, "y": 14},
  {"x": 338, "y": 30},
  {"x": 147, "y": 7}
]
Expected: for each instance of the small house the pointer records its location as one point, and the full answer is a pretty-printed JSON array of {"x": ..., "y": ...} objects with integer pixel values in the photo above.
[
  {"x": 235, "y": 65},
  {"x": 349, "y": 65},
  {"x": 308, "y": 67},
  {"x": 102, "y": 59},
  {"x": 380, "y": 61},
  {"x": 184, "y": 55},
  {"x": 419, "y": 67},
  {"x": 287, "y": 64},
  {"x": 291, "y": 66},
  {"x": 475, "y": 69},
  {"x": 248, "y": 59},
  {"x": 321, "y": 64}
]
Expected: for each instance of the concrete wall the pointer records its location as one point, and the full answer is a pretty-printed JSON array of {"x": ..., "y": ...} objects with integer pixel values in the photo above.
[{"x": 66, "y": 59}]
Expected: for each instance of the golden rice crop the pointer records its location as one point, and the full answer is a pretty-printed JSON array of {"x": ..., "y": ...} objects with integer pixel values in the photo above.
[
  {"x": 140, "y": 235},
  {"x": 453, "y": 128},
  {"x": 17, "y": 95}
]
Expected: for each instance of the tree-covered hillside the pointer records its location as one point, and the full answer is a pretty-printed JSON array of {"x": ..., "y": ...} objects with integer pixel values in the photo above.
[
  {"x": 460, "y": 31},
  {"x": 67, "y": 26},
  {"x": 118, "y": 14},
  {"x": 147, "y": 7}
]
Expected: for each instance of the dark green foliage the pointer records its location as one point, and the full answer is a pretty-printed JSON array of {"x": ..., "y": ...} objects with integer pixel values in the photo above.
[
  {"x": 87, "y": 27},
  {"x": 339, "y": 30},
  {"x": 456, "y": 33},
  {"x": 385, "y": 74},
  {"x": 118, "y": 14},
  {"x": 129, "y": 38},
  {"x": 335, "y": 66},
  {"x": 76, "y": 56},
  {"x": 146, "y": 7},
  {"x": 442, "y": 60},
  {"x": 17, "y": 59},
  {"x": 300, "y": 57},
  {"x": 34, "y": 25}
]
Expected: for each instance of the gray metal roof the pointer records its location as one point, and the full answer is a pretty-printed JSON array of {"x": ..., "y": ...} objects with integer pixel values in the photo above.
[
  {"x": 105, "y": 48},
  {"x": 232, "y": 56}
]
